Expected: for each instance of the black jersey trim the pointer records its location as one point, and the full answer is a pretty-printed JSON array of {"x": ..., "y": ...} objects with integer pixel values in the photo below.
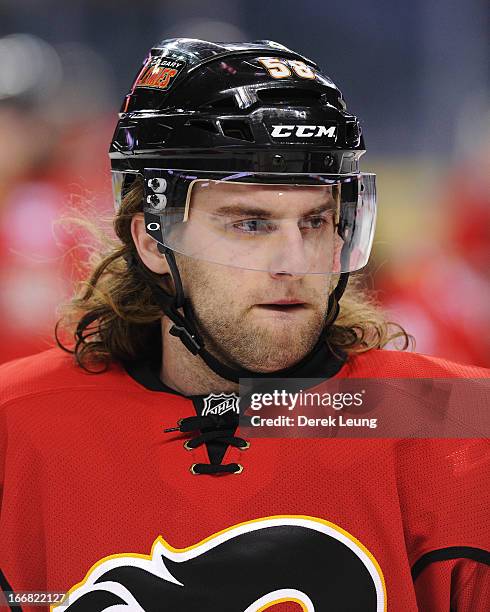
[
  {"x": 4, "y": 587},
  {"x": 146, "y": 374},
  {"x": 325, "y": 364},
  {"x": 445, "y": 554}
]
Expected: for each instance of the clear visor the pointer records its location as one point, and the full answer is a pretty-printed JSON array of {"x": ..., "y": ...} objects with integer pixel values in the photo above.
[{"x": 258, "y": 224}]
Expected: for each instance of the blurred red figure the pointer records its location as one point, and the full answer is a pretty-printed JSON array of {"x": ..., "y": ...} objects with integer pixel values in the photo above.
[
  {"x": 46, "y": 157},
  {"x": 443, "y": 297}
]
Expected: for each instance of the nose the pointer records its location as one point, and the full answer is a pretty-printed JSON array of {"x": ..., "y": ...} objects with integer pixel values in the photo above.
[{"x": 288, "y": 255}]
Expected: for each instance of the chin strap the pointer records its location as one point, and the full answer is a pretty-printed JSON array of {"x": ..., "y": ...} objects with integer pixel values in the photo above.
[{"x": 185, "y": 327}]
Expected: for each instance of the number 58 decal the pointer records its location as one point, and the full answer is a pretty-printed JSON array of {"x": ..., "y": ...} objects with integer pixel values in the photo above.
[{"x": 283, "y": 68}]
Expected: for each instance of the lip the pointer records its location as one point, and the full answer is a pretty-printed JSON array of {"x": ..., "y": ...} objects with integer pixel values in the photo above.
[
  {"x": 282, "y": 309},
  {"x": 285, "y": 302}
]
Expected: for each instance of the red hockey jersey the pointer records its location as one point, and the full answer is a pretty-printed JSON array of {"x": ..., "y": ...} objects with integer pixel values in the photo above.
[{"x": 98, "y": 502}]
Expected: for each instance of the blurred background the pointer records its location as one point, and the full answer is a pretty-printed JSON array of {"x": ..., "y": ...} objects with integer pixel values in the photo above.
[{"x": 416, "y": 74}]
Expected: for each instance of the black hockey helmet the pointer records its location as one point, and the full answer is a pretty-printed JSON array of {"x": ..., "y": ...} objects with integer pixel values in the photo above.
[
  {"x": 227, "y": 116},
  {"x": 218, "y": 106}
]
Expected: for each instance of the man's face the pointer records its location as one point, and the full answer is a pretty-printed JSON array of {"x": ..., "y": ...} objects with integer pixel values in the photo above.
[{"x": 268, "y": 317}]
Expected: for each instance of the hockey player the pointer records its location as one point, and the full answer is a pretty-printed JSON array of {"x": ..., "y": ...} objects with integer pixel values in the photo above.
[{"x": 128, "y": 481}]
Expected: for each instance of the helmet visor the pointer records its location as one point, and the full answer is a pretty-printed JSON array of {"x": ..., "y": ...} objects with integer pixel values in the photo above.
[{"x": 311, "y": 224}]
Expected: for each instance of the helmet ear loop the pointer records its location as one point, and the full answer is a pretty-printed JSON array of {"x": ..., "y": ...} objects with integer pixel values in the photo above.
[
  {"x": 184, "y": 327},
  {"x": 334, "y": 299},
  {"x": 179, "y": 297}
]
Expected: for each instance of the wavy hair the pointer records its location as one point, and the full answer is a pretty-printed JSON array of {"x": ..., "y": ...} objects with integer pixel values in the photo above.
[{"x": 113, "y": 315}]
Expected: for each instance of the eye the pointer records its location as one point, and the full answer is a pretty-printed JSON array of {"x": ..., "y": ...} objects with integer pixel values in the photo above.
[
  {"x": 254, "y": 226},
  {"x": 314, "y": 223}
]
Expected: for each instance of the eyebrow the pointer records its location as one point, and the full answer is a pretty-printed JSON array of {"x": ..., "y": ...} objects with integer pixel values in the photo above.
[{"x": 236, "y": 210}]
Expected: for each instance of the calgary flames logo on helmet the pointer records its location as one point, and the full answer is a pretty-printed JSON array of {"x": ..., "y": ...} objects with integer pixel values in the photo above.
[
  {"x": 158, "y": 72},
  {"x": 300, "y": 559}
]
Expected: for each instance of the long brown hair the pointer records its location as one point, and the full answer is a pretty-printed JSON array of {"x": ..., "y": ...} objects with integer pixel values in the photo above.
[{"x": 114, "y": 316}]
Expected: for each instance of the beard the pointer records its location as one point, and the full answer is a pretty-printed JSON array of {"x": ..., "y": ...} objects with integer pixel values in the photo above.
[{"x": 229, "y": 324}]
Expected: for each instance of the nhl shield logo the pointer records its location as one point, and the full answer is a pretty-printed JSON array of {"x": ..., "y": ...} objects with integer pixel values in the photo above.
[{"x": 220, "y": 403}]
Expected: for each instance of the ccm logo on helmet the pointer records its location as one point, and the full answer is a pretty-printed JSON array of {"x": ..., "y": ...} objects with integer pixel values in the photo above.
[{"x": 303, "y": 131}]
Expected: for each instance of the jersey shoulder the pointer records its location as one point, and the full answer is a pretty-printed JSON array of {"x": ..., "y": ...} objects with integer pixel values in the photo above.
[
  {"x": 52, "y": 371},
  {"x": 381, "y": 363}
]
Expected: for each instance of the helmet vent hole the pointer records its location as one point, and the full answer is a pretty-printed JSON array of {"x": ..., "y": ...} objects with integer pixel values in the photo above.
[
  {"x": 224, "y": 104},
  {"x": 240, "y": 130}
]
